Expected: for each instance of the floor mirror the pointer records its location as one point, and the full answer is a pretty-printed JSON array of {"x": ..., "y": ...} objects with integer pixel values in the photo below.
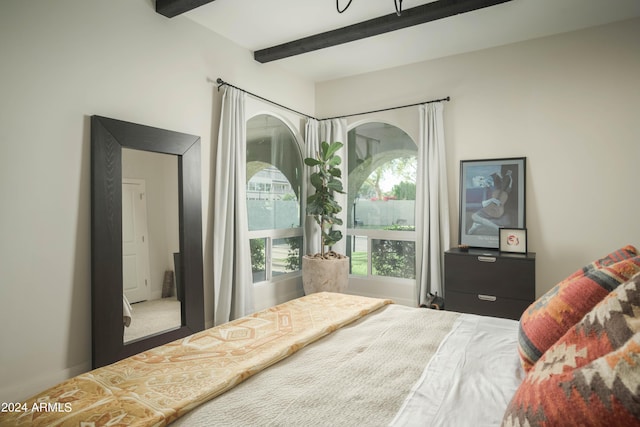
[{"x": 146, "y": 238}]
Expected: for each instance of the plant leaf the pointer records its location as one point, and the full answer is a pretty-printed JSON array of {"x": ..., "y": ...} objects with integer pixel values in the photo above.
[
  {"x": 333, "y": 147},
  {"x": 324, "y": 149},
  {"x": 335, "y": 185},
  {"x": 333, "y": 237},
  {"x": 336, "y": 172},
  {"x": 316, "y": 181},
  {"x": 334, "y": 161}
]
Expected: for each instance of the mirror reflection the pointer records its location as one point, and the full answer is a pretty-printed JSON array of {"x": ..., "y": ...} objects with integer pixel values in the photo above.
[{"x": 150, "y": 243}]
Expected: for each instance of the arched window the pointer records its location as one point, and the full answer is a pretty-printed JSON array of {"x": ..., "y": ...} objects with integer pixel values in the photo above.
[
  {"x": 274, "y": 179},
  {"x": 382, "y": 166}
]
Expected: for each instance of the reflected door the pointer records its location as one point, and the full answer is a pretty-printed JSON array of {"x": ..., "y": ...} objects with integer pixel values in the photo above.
[{"x": 135, "y": 248}]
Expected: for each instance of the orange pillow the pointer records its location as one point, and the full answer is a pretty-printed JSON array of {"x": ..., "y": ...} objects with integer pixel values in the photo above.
[
  {"x": 591, "y": 376},
  {"x": 549, "y": 317}
]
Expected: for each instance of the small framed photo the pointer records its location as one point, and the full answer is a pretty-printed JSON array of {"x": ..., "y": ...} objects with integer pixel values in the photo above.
[{"x": 513, "y": 240}]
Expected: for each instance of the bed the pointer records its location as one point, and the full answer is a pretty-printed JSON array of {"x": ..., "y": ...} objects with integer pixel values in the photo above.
[
  {"x": 344, "y": 360},
  {"x": 372, "y": 372}
]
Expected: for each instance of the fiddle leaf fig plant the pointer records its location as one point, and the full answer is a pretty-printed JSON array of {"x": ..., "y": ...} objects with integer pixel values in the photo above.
[{"x": 322, "y": 205}]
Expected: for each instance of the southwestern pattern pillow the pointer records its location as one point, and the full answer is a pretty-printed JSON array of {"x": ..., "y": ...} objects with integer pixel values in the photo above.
[
  {"x": 549, "y": 317},
  {"x": 621, "y": 254},
  {"x": 591, "y": 376}
]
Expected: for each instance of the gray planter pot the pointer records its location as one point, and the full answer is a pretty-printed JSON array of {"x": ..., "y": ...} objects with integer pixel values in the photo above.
[{"x": 324, "y": 275}]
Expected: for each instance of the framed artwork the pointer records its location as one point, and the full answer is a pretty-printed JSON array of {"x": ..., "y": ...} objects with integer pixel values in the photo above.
[
  {"x": 513, "y": 240},
  {"x": 492, "y": 196}
]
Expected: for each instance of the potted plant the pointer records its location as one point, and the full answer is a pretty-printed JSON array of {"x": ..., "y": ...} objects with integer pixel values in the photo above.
[{"x": 326, "y": 270}]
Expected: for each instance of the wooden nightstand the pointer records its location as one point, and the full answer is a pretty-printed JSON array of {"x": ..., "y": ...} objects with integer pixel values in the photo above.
[{"x": 489, "y": 282}]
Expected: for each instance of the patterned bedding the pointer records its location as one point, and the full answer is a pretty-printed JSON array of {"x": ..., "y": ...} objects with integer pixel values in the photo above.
[
  {"x": 399, "y": 366},
  {"x": 155, "y": 387},
  {"x": 357, "y": 376}
]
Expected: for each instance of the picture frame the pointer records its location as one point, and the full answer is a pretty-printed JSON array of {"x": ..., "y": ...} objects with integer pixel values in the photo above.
[
  {"x": 492, "y": 196},
  {"x": 513, "y": 240}
]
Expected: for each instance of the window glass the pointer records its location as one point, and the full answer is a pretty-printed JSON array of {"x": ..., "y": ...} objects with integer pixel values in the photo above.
[
  {"x": 274, "y": 179},
  {"x": 382, "y": 178},
  {"x": 393, "y": 258},
  {"x": 358, "y": 254},
  {"x": 382, "y": 167},
  {"x": 286, "y": 255},
  {"x": 274, "y": 170},
  {"x": 258, "y": 259}
]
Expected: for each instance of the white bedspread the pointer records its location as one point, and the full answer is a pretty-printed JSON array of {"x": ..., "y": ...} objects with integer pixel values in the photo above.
[
  {"x": 470, "y": 380},
  {"x": 399, "y": 365},
  {"x": 357, "y": 376}
]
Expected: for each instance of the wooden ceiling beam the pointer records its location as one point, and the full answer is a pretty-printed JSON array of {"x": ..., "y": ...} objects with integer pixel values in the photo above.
[
  {"x": 417, "y": 15},
  {"x": 172, "y": 8}
]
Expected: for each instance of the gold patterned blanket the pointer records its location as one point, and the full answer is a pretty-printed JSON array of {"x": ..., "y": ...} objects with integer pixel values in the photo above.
[{"x": 155, "y": 387}]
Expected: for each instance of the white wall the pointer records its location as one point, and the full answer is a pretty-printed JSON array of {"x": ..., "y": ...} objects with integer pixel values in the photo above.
[
  {"x": 569, "y": 103},
  {"x": 61, "y": 62}
]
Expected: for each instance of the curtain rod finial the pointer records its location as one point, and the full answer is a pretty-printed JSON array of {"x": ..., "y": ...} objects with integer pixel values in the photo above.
[{"x": 220, "y": 83}]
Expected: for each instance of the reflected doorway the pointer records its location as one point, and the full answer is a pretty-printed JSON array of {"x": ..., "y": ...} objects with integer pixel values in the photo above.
[
  {"x": 135, "y": 249},
  {"x": 150, "y": 241}
]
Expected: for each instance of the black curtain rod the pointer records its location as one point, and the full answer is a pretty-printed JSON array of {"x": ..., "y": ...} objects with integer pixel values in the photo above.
[
  {"x": 221, "y": 83},
  {"x": 390, "y": 108}
]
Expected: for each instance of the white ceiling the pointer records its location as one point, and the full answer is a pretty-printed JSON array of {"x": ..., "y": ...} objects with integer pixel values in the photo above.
[{"x": 258, "y": 24}]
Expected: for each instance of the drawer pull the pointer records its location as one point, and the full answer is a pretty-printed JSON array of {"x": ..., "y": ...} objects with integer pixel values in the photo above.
[
  {"x": 486, "y": 297},
  {"x": 487, "y": 259}
]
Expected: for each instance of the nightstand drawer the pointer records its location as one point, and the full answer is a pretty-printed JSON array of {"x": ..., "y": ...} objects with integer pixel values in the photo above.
[
  {"x": 489, "y": 274},
  {"x": 486, "y": 305}
]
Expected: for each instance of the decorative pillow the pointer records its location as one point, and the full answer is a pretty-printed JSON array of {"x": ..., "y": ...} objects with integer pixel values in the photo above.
[
  {"x": 591, "y": 376},
  {"x": 621, "y": 254},
  {"x": 548, "y": 318}
]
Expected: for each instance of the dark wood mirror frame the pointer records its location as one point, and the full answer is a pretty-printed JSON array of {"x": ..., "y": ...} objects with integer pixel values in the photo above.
[{"x": 108, "y": 137}]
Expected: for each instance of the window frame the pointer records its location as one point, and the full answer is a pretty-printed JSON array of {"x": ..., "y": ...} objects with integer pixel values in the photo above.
[
  {"x": 271, "y": 234},
  {"x": 381, "y": 234},
  {"x": 377, "y": 234}
]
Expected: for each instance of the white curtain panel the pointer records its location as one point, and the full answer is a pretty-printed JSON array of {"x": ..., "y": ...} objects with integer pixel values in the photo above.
[
  {"x": 311, "y": 147},
  {"x": 232, "y": 277},
  {"x": 315, "y": 133},
  {"x": 432, "y": 204}
]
